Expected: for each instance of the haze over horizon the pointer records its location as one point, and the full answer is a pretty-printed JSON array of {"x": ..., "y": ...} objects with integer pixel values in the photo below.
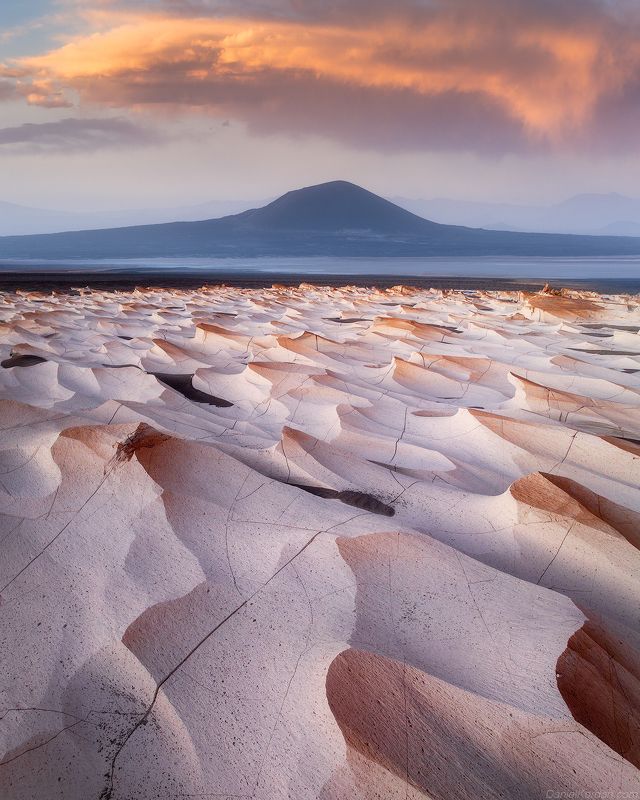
[{"x": 108, "y": 105}]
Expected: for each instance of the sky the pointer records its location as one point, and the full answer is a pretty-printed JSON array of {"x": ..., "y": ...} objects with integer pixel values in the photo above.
[{"x": 107, "y": 104}]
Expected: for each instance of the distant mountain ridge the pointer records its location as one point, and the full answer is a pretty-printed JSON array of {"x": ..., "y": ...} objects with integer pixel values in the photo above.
[
  {"x": 589, "y": 214},
  {"x": 330, "y": 219},
  {"x": 592, "y": 214}
]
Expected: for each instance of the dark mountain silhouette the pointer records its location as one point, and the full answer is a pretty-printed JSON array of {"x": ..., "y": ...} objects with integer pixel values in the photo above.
[
  {"x": 332, "y": 219},
  {"x": 333, "y": 207}
]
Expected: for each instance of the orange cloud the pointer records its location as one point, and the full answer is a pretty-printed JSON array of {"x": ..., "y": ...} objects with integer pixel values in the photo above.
[{"x": 535, "y": 83}]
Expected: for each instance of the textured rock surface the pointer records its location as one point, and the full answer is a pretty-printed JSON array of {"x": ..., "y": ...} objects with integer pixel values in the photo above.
[{"x": 319, "y": 543}]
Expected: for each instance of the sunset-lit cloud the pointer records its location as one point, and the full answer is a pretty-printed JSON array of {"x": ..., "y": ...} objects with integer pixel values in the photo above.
[{"x": 500, "y": 75}]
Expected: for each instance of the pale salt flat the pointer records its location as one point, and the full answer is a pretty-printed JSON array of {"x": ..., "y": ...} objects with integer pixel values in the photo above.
[{"x": 319, "y": 543}]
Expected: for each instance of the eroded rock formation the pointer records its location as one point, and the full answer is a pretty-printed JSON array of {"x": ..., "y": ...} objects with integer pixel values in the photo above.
[{"x": 319, "y": 543}]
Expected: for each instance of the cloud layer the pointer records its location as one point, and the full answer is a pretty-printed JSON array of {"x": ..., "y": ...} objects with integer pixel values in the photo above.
[
  {"x": 73, "y": 135},
  {"x": 485, "y": 75}
]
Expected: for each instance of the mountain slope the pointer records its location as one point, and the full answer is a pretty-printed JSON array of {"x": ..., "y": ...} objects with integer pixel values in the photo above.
[
  {"x": 17, "y": 220},
  {"x": 335, "y": 206},
  {"x": 333, "y": 219}
]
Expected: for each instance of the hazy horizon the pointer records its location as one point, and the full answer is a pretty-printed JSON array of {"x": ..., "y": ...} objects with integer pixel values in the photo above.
[
  {"x": 593, "y": 214},
  {"x": 166, "y": 203}
]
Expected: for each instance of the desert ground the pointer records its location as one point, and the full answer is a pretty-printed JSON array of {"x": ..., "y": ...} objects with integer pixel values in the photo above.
[{"x": 305, "y": 542}]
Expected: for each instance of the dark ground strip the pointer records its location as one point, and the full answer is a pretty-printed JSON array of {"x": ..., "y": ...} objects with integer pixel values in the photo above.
[{"x": 189, "y": 279}]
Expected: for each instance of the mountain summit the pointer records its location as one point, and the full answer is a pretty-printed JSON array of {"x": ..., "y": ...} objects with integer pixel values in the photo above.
[
  {"x": 335, "y": 206},
  {"x": 331, "y": 219}
]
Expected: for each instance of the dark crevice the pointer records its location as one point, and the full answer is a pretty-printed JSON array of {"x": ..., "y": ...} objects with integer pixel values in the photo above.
[
  {"x": 362, "y": 500},
  {"x": 346, "y": 320},
  {"x": 628, "y": 439},
  {"x": 600, "y": 325},
  {"x": 22, "y": 361},
  {"x": 184, "y": 385},
  {"x": 605, "y": 352}
]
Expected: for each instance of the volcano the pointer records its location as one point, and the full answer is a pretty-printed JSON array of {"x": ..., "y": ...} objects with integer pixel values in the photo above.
[{"x": 330, "y": 219}]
